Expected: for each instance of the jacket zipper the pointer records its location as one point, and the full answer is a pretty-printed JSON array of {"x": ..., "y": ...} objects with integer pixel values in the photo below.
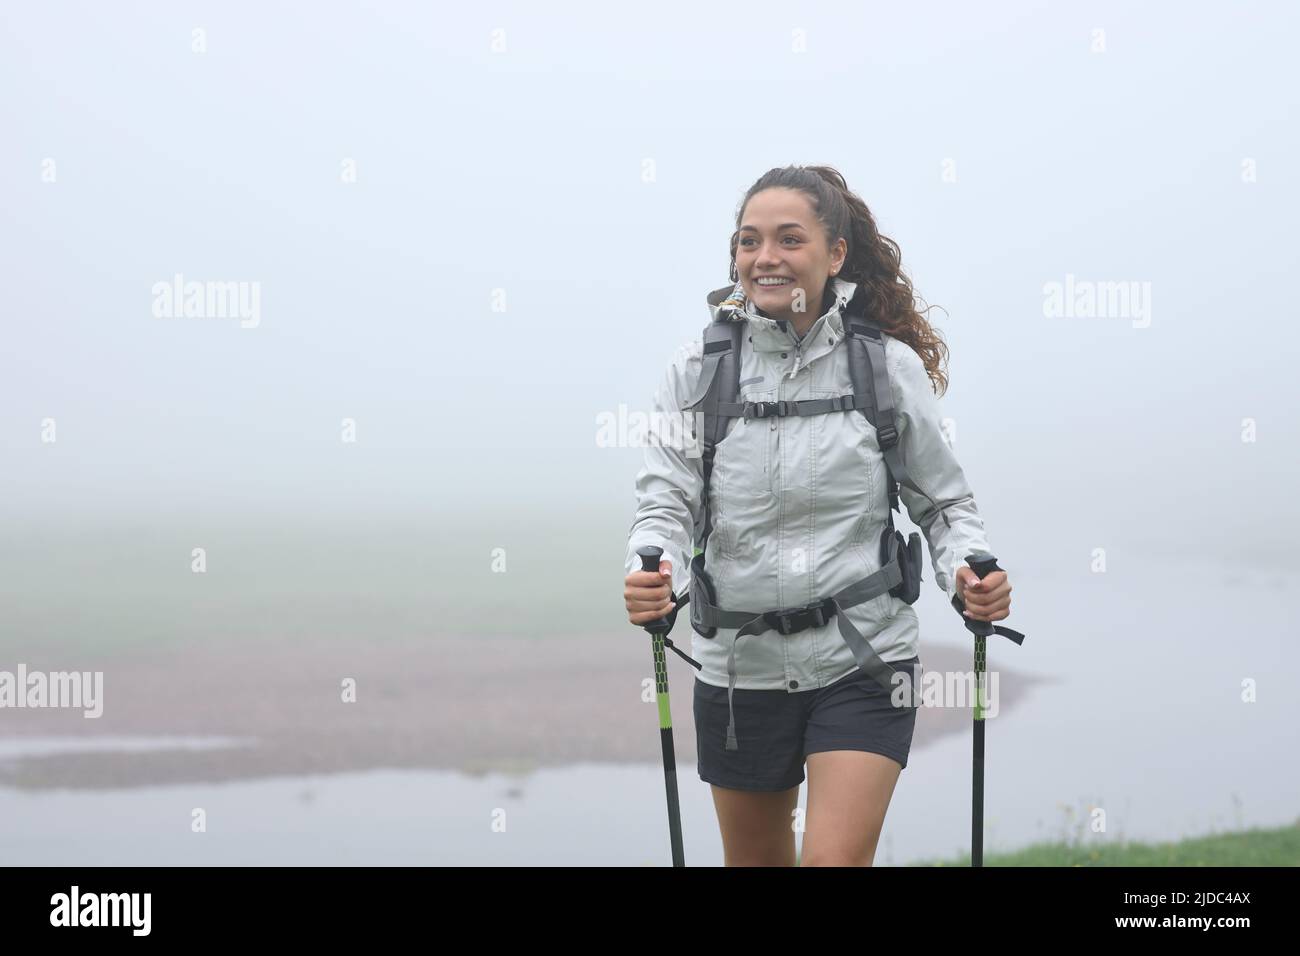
[{"x": 798, "y": 349}]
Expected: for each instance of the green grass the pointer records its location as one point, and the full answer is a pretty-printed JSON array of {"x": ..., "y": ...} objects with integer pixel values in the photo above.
[{"x": 1255, "y": 847}]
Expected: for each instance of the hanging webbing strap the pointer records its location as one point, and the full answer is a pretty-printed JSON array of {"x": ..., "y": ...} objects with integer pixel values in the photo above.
[
  {"x": 677, "y": 650},
  {"x": 790, "y": 621}
]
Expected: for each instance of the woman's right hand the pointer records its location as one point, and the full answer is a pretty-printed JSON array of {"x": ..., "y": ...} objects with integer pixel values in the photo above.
[{"x": 649, "y": 594}]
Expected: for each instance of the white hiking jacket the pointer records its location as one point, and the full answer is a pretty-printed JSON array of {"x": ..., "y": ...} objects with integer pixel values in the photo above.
[{"x": 799, "y": 503}]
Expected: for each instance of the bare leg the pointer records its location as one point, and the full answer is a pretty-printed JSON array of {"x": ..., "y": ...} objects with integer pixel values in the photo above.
[
  {"x": 848, "y": 794},
  {"x": 757, "y": 828}
]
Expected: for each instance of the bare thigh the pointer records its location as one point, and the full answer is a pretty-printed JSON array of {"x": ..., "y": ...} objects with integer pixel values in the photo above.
[
  {"x": 848, "y": 794},
  {"x": 757, "y": 828}
]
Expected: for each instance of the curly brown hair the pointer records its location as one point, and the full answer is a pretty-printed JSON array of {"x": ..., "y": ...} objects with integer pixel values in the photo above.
[{"x": 873, "y": 260}]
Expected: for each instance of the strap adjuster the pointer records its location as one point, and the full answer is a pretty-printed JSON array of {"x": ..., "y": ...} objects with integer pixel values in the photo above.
[
  {"x": 887, "y": 435},
  {"x": 765, "y": 409},
  {"x": 797, "y": 619}
]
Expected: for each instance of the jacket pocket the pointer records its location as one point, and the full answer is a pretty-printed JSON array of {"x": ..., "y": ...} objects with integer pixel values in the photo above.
[
  {"x": 847, "y": 457},
  {"x": 741, "y": 483}
]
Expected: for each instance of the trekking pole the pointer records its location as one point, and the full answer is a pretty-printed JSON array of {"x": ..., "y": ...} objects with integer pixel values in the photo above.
[
  {"x": 650, "y": 556},
  {"x": 983, "y": 564}
]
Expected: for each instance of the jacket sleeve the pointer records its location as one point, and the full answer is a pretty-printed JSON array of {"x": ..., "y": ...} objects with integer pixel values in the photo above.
[
  {"x": 948, "y": 516},
  {"x": 671, "y": 480}
]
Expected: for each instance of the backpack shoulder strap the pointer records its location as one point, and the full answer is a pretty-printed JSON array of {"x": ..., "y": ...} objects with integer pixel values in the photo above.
[
  {"x": 722, "y": 371},
  {"x": 718, "y": 395},
  {"x": 869, "y": 372},
  {"x": 719, "y": 340},
  {"x": 718, "y": 387}
]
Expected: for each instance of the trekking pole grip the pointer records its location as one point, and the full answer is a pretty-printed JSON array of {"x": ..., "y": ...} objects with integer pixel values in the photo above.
[
  {"x": 650, "y": 555},
  {"x": 983, "y": 564}
]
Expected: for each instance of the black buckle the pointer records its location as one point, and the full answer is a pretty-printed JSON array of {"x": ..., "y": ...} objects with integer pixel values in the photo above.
[
  {"x": 762, "y": 410},
  {"x": 887, "y": 436},
  {"x": 765, "y": 409},
  {"x": 794, "y": 620}
]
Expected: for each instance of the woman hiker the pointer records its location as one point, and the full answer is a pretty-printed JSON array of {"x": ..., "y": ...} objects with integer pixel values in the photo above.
[{"x": 780, "y": 538}]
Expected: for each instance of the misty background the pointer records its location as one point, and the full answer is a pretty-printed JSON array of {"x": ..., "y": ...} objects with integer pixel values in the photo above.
[{"x": 389, "y": 173}]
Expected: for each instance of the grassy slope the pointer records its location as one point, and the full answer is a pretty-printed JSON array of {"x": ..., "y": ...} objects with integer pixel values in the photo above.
[{"x": 1256, "y": 847}]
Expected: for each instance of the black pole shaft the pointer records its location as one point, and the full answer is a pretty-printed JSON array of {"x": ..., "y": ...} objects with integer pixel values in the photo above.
[
  {"x": 650, "y": 556},
  {"x": 982, "y": 564},
  {"x": 977, "y": 799},
  {"x": 670, "y": 786}
]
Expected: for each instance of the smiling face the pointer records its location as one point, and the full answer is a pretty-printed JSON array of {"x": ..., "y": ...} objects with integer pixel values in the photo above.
[{"x": 781, "y": 239}]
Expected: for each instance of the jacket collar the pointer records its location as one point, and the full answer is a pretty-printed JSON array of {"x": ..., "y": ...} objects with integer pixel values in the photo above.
[{"x": 730, "y": 304}]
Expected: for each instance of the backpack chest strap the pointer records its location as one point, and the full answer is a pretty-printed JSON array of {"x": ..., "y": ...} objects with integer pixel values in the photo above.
[{"x": 800, "y": 407}]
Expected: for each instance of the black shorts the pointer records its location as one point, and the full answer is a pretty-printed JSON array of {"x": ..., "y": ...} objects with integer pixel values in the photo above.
[{"x": 776, "y": 729}]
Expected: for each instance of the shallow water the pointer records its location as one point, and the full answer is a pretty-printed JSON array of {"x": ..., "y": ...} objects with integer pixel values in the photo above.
[
  {"x": 609, "y": 814},
  {"x": 1146, "y": 720}
]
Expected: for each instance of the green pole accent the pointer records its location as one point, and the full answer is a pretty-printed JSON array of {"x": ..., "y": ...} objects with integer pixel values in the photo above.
[{"x": 661, "y": 683}]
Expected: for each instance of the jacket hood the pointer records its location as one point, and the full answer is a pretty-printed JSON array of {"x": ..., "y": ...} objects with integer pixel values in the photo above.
[{"x": 730, "y": 304}]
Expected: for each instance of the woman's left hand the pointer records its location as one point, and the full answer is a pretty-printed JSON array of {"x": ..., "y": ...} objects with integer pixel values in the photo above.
[{"x": 987, "y": 599}]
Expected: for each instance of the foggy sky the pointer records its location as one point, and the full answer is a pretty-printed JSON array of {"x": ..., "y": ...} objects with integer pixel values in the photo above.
[{"x": 523, "y": 171}]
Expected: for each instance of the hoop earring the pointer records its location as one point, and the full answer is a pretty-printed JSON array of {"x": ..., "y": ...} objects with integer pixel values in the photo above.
[{"x": 735, "y": 276}]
